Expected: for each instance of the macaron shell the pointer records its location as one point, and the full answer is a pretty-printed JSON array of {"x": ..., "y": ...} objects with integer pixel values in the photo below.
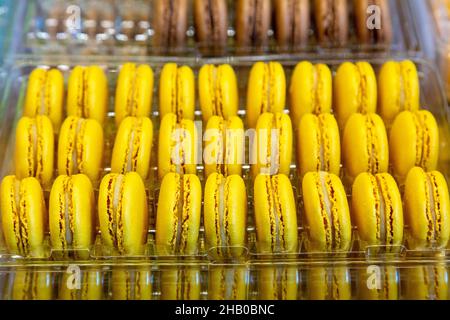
[
  {"x": 310, "y": 90},
  {"x": 132, "y": 284},
  {"x": 177, "y": 91},
  {"x": 328, "y": 283},
  {"x": 278, "y": 283},
  {"x": 134, "y": 92},
  {"x": 227, "y": 283},
  {"x": 90, "y": 139},
  {"x": 32, "y": 285},
  {"x": 266, "y": 91},
  {"x": 360, "y": 132},
  {"x": 354, "y": 90},
  {"x": 136, "y": 133},
  {"x": 399, "y": 89},
  {"x": 91, "y": 84},
  {"x": 426, "y": 282},
  {"x": 31, "y": 160},
  {"x": 411, "y": 135},
  {"x": 224, "y": 138},
  {"x": 45, "y": 95},
  {"x": 418, "y": 207},
  {"x": 91, "y": 286},
  {"x": 318, "y": 135},
  {"x": 180, "y": 284},
  {"x": 266, "y": 188},
  {"x": 365, "y": 204}
]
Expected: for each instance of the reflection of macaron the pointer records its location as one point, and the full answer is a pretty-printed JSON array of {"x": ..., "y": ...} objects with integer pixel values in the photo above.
[
  {"x": 71, "y": 213},
  {"x": 228, "y": 282},
  {"x": 88, "y": 285},
  {"x": 224, "y": 146},
  {"x": 253, "y": 18},
  {"x": 327, "y": 213},
  {"x": 328, "y": 283},
  {"x": 87, "y": 93},
  {"x": 225, "y": 214},
  {"x": 291, "y": 23},
  {"x": 178, "y": 215},
  {"x": 377, "y": 209},
  {"x": 426, "y": 282},
  {"x": 275, "y": 214},
  {"x": 398, "y": 89},
  {"x": 278, "y": 283},
  {"x": 364, "y": 9},
  {"x": 379, "y": 282},
  {"x": 123, "y": 214},
  {"x": 354, "y": 90},
  {"x": 131, "y": 283},
  {"x": 318, "y": 144},
  {"x": 211, "y": 23},
  {"x": 32, "y": 284},
  {"x": 134, "y": 91},
  {"x": 80, "y": 148},
  {"x": 177, "y": 91},
  {"x": 331, "y": 19},
  {"x": 413, "y": 141},
  {"x": 427, "y": 209},
  {"x": 272, "y": 148},
  {"x": 45, "y": 95},
  {"x": 266, "y": 90},
  {"x": 180, "y": 283},
  {"x": 133, "y": 146},
  {"x": 365, "y": 145},
  {"x": 23, "y": 216},
  {"x": 218, "y": 91},
  {"x": 34, "y": 149},
  {"x": 310, "y": 90}
]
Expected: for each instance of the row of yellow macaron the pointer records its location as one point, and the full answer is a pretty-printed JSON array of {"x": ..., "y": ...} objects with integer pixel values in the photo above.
[
  {"x": 377, "y": 210},
  {"x": 312, "y": 90},
  {"x": 235, "y": 283},
  {"x": 413, "y": 141}
]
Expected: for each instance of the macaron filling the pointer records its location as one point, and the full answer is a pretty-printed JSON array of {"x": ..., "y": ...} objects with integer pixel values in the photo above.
[
  {"x": 326, "y": 205},
  {"x": 19, "y": 209},
  {"x": 372, "y": 145},
  {"x": 432, "y": 208}
]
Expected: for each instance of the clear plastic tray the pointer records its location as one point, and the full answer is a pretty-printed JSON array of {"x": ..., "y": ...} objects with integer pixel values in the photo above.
[{"x": 112, "y": 39}]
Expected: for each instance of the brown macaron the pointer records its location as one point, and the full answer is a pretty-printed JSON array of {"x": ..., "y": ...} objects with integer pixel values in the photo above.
[
  {"x": 366, "y": 27},
  {"x": 253, "y": 19},
  {"x": 292, "y": 22},
  {"x": 331, "y": 21},
  {"x": 211, "y": 19},
  {"x": 170, "y": 24}
]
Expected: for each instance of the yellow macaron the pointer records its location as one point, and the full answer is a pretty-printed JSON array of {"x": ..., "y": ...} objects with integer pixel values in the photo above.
[
  {"x": 278, "y": 283},
  {"x": 228, "y": 282},
  {"x": 382, "y": 283},
  {"x": 32, "y": 284},
  {"x": 89, "y": 285},
  {"x": 426, "y": 282},
  {"x": 328, "y": 283},
  {"x": 180, "y": 283},
  {"x": 132, "y": 283}
]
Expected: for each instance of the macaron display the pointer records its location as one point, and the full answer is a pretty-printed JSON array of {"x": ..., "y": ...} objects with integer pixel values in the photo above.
[
  {"x": 292, "y": 23},
  {"x": 326, "y": 212},
  {"x": 180, "y": 283},
  {"x": 354, "y": 90},
  {"x": 123, "y": 213},
  {"x": 177, "y": 147},
  {"x": 177, "y": 91},
  {"x": 328, "y": 283},
  {"x": 228, "y": 283},
  {"x": 377, "y": 210},
  {"x": 218, "y": 91},
  {"x": 225, "y": 215},
  {"x": 178, "y": 214},
  {"x": 88, "y": 287},
  {"x": 23, "y": 216},
  {"x": 278, "y": 283},
  {"x": 272, "y": 148},
  {"x": 381, "y": 35},
  {"x": 318, "y": 144},
  {"x": 224, "y": 146},
  {"x": 34, "y": 149},
  {"x": 133, "y": 146},
  {"x": 87, "y": 93},
  {"x": 253, "y": 20},
  {"x": 134, "y": 283},
  {"x": 275, "y": 214},
  {"x": 310, "y": 90},
  {"x": 134, "y": 91},
  {"x": 427, "y": 209},
  {"x": 45, "y": 95},
  {"x": 413, "y": 141},
  {"x": 72, "y": 215},
  {"x": 211, "y": 24},
  {"x": 398, "y": 89},
  {"x": 331, "y": 18},
  {"x": 266, "y": 90},
  {"x": 365, "y": 145},
  {"x": 80, "y": 148},
  {"x": 382, "y": 283}
]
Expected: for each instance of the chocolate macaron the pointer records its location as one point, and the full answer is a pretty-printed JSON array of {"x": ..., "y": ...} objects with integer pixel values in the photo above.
[
  {"x": 170, "y": 24},
  {"x": 331, "y": 18},
  {"x": 292, "y": 22},
  {"x": 211, "y": 22}
]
